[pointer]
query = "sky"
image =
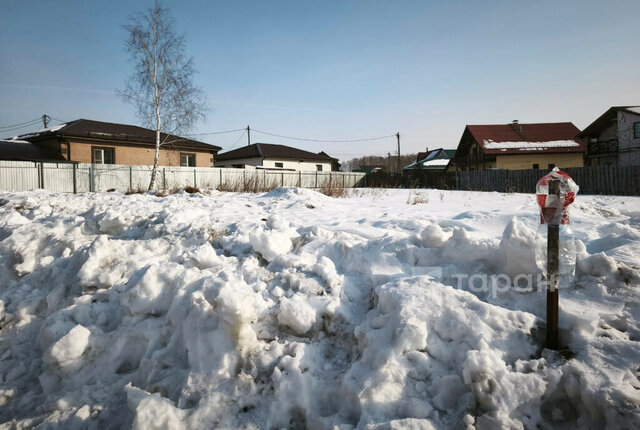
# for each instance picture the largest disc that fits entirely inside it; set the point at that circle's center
(334, 70)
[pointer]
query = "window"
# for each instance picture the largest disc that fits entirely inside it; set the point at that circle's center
(319, 167)
(636, 130)
(551, 166)
(187, 160)
(103, 155)
(536, 166)
(280, 165)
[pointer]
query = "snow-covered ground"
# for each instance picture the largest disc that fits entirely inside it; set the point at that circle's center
(291, 309)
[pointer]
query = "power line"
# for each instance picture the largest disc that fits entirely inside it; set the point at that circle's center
(324, 141)
(237, 141)
(21, 125)
(216, 132)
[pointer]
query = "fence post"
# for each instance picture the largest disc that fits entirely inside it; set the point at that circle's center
(42, 175)
(316, 179)
(164, 178)
(282, 179)
(220, 184)
(195, 183)
(92, 178)
(75, 181)
(131, 177)
(244, 180)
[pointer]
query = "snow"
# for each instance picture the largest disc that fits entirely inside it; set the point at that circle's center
(635, 109)
(291, 309)
(14, 141)
(38, 132)
(440, 162)
(530, 146)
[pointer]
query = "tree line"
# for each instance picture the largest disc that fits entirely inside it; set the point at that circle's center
(387, 164)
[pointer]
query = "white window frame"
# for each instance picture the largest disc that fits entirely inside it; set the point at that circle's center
(97, 155)
(187, 156)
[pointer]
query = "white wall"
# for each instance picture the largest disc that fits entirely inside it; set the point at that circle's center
(305, 166)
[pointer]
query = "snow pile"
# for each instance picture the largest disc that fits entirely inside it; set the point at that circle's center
(294, 310)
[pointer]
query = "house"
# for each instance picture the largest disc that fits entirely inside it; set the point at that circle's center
(434, 160)
(87, 141)
(277, 157)
(614, 138)
(518, 146)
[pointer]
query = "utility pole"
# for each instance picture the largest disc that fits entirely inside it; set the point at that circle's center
(45, 120)
(248, 136)
(398, 136)
(389, 161)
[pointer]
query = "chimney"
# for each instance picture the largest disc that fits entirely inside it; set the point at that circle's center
(516, 127)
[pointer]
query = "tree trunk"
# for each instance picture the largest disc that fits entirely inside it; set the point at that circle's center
(156, 102)
(156, 156)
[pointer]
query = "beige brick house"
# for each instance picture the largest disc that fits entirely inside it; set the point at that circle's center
(87, 141)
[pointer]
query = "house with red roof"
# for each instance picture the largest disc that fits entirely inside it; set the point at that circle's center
(516, 146)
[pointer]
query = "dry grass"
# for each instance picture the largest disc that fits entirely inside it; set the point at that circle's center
(333, 191)
(138, 190)
(192, 190)
(416, 198)
(249, 185)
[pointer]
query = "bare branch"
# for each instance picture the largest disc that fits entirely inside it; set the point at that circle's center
(161, 86)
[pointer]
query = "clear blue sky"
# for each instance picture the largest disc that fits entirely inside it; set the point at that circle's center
(336, 69)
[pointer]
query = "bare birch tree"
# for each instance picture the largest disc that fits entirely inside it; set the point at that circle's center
(161, 87)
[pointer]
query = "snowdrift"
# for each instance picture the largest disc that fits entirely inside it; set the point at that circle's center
(291, 309)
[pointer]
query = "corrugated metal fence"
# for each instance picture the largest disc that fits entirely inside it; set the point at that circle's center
(79, 178)
(621, 181)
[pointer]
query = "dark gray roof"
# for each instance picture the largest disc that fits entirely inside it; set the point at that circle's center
(269, 150)
(16, 150)
(85, 128)
(604, 120)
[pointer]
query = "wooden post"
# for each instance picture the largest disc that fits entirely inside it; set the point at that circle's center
(131, 177)
(316, 179)
(553, 263)
(299, 179)
(164, 178)
(398, 136)
(282, 179)
(195, 182)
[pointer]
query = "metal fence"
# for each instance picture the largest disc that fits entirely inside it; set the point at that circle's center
(79, 177)
(621, 181)
(612, 180)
